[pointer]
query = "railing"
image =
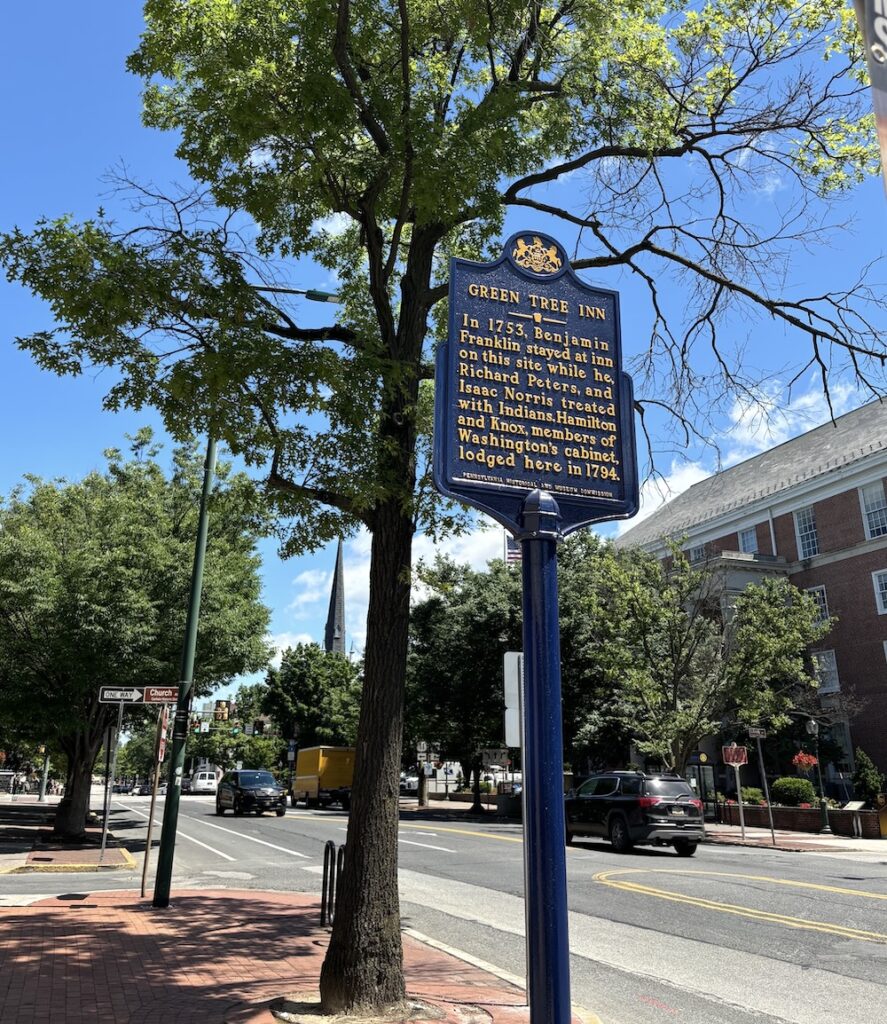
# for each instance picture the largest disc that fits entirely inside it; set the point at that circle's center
(333, 867)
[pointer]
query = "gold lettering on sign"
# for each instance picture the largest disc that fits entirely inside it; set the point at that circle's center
(536, 388)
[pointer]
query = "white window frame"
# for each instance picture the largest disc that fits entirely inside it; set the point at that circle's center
(874, 510)
(833, 683)
(880, 594)
(819, 596)
(696, 553)
(807, 510)
(743, 547)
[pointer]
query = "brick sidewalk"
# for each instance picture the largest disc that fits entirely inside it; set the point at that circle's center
(213, 956)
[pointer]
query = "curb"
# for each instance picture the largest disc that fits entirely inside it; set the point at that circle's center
(49, 869)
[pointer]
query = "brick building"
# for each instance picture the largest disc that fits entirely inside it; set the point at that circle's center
(812, 509)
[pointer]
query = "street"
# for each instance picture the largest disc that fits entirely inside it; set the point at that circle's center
(732, 936)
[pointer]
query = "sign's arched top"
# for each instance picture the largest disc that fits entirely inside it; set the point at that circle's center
(530, 393)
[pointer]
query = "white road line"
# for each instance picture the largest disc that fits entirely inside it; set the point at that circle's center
(432, 834)
(427, 846)
(252, 839)
(184, 835)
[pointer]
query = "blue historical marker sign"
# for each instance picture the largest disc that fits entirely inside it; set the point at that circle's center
(530, 392)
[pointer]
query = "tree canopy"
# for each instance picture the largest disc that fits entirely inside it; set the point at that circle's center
(415, 127)
(94, 578)
(314, 696)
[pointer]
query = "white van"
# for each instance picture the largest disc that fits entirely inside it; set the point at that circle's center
(204, 781)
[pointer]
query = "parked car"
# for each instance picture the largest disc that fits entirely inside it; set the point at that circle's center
(409, 783)
(635, 808)
(143, 789)
(186, 784)
(121, 787)
(250, 789)
(202, 782)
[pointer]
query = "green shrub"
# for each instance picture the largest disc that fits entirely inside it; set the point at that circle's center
(752, 795)
(868, 782)
(792, 791)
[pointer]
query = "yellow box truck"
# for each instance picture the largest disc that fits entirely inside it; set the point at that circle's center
(324, 776)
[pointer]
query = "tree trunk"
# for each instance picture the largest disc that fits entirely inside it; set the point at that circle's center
(73, 809)
(363, 968)
(70, 818)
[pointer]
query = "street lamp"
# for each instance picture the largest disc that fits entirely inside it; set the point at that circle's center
(812, 728)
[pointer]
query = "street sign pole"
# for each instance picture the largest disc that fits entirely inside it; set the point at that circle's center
(758, 735)
(548, 947)
(736, 768)
(159, 744)
(163, 880)
(109, 783)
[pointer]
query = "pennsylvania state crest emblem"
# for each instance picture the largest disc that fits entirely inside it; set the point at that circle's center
(536, 257)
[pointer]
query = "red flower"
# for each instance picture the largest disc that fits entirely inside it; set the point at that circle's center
(804, 761)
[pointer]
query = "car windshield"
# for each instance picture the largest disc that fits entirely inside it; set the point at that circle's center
(257, 779)
(668, 787)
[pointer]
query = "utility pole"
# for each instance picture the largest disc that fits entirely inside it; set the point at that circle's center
(163, 881)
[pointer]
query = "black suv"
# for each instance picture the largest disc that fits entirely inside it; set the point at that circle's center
(250, 789)
(633, 807)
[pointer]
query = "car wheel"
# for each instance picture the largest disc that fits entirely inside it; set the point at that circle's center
(684, 847)
(220, 810)
(569, 835)
(281, 811)
(238, 806)
(619, 836)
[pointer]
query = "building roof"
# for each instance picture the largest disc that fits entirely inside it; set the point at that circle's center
(821, 451)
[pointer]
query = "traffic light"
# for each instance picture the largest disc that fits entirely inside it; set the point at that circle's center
(258, 727)
(194, 724)
(221, 711)
(235, 729)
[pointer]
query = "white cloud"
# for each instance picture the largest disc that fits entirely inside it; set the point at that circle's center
(656, 491)
(314, 586)
(474, 549)
(281, 641)
(334, 224)
(762, 423)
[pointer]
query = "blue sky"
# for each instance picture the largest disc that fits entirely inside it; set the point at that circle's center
(70, 113)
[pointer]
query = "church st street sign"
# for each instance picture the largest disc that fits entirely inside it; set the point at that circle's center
(138, 694)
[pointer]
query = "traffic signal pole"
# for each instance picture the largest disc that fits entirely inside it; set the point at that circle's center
(163, 880)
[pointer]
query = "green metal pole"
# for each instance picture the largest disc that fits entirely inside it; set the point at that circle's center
(163, 879)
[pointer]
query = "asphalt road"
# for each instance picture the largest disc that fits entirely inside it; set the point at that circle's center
(733, 936)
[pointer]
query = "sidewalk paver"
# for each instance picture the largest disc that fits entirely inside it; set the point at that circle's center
(212, 956)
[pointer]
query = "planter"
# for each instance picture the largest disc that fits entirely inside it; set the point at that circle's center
(803, 819)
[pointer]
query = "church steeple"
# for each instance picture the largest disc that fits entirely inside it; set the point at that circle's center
(334, 635)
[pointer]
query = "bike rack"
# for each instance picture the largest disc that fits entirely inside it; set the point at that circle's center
(333, 866)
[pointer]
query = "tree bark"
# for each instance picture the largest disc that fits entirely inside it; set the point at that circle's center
(363, 968)
(70, 818)
(81, 751)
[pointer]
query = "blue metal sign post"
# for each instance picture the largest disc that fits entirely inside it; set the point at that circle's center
(534, 426)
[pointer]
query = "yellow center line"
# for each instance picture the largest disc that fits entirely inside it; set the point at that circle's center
(608, 878)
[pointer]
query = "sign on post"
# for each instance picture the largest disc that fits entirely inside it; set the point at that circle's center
(529, 390)
(514, 685)
(138, 695)
(534, 425)
(754, 733)
(734, 755)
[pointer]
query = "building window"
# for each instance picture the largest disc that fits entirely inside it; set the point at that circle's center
(880, 581)
(874, 509)
(805, 527)
(697, 554)
(826, 670)
(818, 595)
(748, 541)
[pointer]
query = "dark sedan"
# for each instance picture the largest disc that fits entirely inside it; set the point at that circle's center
(250, 789)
